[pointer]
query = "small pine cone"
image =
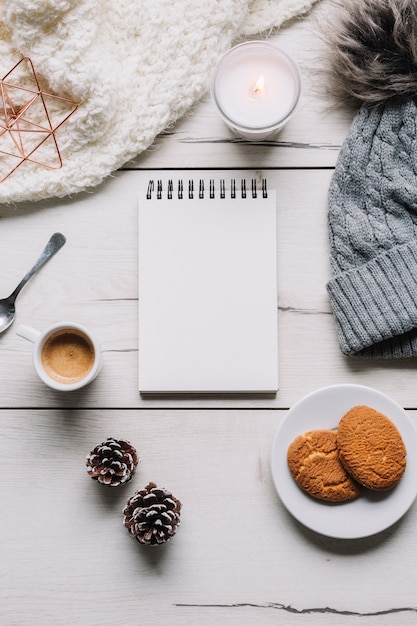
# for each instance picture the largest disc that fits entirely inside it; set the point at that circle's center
(112, 462)
(152, 515)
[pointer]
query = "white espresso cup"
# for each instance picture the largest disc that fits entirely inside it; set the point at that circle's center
(66, 356)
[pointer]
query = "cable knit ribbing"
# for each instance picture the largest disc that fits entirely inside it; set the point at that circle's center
(373, 228)
(135, 67)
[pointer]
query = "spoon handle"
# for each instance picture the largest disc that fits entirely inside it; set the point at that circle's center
(54, 244)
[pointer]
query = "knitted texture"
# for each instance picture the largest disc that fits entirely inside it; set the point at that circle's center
(264, 15)
(373, 228)
(134, 67)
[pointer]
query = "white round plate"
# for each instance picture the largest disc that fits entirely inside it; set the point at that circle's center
(373, 511)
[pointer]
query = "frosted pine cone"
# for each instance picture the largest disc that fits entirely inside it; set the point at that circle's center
(112, 462)
(152, 515)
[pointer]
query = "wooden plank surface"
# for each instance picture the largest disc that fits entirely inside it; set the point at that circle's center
(237, 558)
(93, 280)
(312, 138)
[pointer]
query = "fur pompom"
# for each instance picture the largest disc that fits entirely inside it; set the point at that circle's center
(372, 47)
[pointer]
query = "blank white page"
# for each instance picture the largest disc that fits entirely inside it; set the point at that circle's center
(207, 293)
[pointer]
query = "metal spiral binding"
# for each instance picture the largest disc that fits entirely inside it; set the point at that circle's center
(151, 187)
(254, 189)
(233, 188)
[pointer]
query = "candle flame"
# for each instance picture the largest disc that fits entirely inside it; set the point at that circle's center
(259, 85)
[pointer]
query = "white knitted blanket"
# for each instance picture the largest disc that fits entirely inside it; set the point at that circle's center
(135, 66)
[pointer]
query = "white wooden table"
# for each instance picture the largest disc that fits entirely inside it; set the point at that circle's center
(239, 557)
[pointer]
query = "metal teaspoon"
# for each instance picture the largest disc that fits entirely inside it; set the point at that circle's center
(7, 308)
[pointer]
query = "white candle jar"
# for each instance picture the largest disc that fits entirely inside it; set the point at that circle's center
(256, 88)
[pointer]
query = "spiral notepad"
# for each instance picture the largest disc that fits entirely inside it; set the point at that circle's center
(207, 285)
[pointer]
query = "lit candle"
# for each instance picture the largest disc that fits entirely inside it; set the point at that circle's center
(256, 88)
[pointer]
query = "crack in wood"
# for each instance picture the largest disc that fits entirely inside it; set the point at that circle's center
(290, 609)
(121, 350)
(292, 309)
(116, 300)
(263, 144)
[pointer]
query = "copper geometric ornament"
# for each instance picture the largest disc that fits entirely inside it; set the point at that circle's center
(29, 119)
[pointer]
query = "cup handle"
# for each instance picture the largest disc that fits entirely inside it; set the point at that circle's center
(28, 333)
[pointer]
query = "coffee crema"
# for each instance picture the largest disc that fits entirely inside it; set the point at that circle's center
(67, 356)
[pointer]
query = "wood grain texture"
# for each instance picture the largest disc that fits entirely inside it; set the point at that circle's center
(93, 280)
(238, 557)
(312, 138)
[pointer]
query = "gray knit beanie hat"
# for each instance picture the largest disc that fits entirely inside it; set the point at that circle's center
(373, 193)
